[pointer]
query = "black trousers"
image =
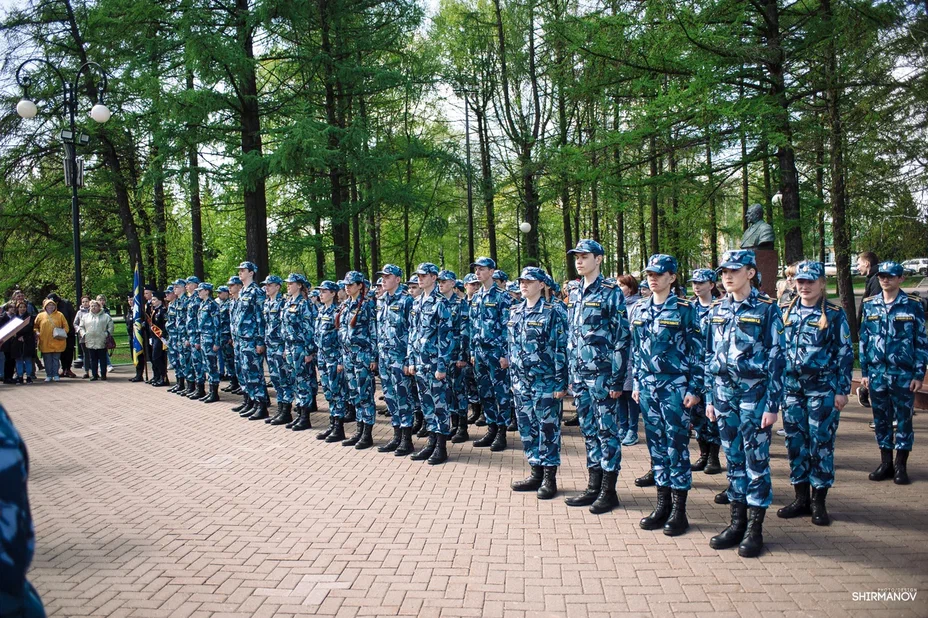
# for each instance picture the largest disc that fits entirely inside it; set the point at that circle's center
(159, 361)
(95, 361)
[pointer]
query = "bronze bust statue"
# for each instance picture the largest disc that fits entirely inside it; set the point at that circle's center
(759, 234)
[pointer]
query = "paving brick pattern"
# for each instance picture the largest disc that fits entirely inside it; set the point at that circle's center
(148, 505)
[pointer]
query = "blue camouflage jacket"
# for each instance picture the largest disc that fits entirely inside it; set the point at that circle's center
(393, 325)
(598, 336)
(326, 335)
(667, 340)
(273, 314)
(248, 321)
(459, 309)
(176, 309)
(192, 323)
(893, 339)
(489, 313)
(357, 331)
(17, 536)
(824, 354)
(225, 317)
(430, 334)
(299, 324)
(538, 345)
(744, 343)
(208, 324)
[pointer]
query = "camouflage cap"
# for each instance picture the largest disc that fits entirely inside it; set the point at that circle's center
(809, 270)
(588, 245)
(447, 275)
(737, 259)
(661, 263)
(485, 262)
(703, 275)
(893, 269)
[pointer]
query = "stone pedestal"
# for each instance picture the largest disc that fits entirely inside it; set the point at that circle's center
(767, 266)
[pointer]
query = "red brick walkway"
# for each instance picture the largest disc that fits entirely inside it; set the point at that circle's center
(150, 505)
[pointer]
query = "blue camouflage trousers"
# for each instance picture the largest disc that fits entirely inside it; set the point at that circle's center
(599, 423)
(176, 356)
(193, 362)
(333, 385)
(811, 421)
(892, 401)
(457, 390)
(359, 380)
(492, 386)
(210, 363)
(705, 429)
(239, 364)
(470, 385)
(539, 419)
(667, 429)
(278, 370)
(298, 372)
(252, 372)
(227, 356)
(396, 393)
(433, 397)
(739, 408)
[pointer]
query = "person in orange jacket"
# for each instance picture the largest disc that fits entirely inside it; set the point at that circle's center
(51, 346)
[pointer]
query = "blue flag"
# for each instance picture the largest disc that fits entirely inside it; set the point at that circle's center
(138, 346)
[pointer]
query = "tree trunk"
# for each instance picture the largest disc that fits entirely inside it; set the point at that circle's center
(621, 265)
(196, 216)
(820, 193)
(713, 218)
(160, 221)
(320, 252)
(655, 227)
(486, 179)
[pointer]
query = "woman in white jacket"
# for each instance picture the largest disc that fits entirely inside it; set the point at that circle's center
(94, 327)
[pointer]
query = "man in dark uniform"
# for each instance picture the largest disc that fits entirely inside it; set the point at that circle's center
(867, 266)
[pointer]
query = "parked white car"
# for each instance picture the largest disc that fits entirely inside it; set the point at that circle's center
(831, 269)
(918, 266)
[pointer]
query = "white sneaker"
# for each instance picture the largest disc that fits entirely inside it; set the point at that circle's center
(56, 379)
(781, 432)
(48, 379)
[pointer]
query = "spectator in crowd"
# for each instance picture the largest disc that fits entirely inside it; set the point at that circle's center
(629, 410)
(867, 266)
(83, 309)
(94, 327)
(51, 330)
(102, 300)
(788, 292)
(23, 346)
(6, 314)
(66, 308)
(18, 296)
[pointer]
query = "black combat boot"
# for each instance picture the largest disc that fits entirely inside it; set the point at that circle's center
(753, 542)
(302, 422)
(589, 496)
(488, 437)
(405, 447)
(734, 533)
(350, 416)
(573, 421)
(191, 389)
(499, 441)
(607, 499)
(229, 387)
(722, 497)
(820, 515)
(242, 405)
(901, 476)
(260, 411)
(677, 523)
(199, 393)
(322, 435)
(367, 439)
(249, 409)
(476, 410)
(426, 451)
(532, 482)
(294, 417)
(714, 466)
(700, 464)
(285, 415)
(513, 425)
(356, 436)
(461, 434)
(206, 389)
(423, 431)
(390, 446)
(440, 454)
(885, 469)
(280, 412)
(313, 406)
(238, 390)
(213, 395)
(661, 512)
(178, 385)
(481, 420)
(548, 487)
(799, 507)
(645, 481)
(418, 421)
(338, 431)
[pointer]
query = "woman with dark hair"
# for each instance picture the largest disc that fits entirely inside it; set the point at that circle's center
(355, 324)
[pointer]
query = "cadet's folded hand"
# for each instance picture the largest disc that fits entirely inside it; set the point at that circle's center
(915, 385)
(690, 400)
(769, 419)
(710, 412)
(840, 402)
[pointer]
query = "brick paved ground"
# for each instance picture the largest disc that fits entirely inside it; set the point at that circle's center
(149, 505)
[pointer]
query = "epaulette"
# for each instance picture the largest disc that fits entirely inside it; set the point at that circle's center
(684, 301)
(831, 305)
(609, 283)
(874, 297)
(716, 303)
(766, 299)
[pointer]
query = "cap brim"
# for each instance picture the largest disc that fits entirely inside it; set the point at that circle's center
(804, 277)
(655, 269)
(731, 266)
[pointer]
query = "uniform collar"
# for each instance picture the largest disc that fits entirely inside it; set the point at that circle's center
(901, 299)
(751, 300)
(597, 283)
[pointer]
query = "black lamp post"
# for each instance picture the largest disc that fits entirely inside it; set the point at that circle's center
(73, 168)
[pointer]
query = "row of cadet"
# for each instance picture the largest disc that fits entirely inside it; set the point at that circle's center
(725, 366)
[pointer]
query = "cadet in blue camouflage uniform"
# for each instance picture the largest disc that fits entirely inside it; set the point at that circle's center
(358, 337)
(393, 311)
(489, 314)
(707, 432)
(277, 365)
(226, 351)
(235, 289)
(329, 355)
(418, 421)
(208, 345)
(893, 355)
(744, 390)
(537, 336)
(177, 316)
(428, 359)
(819, 361)
(300, 352)
(249, 328)
(471, 285)
(18, 599)
(597, 351)
(667, 357)
(457, 395)
(196, 370)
